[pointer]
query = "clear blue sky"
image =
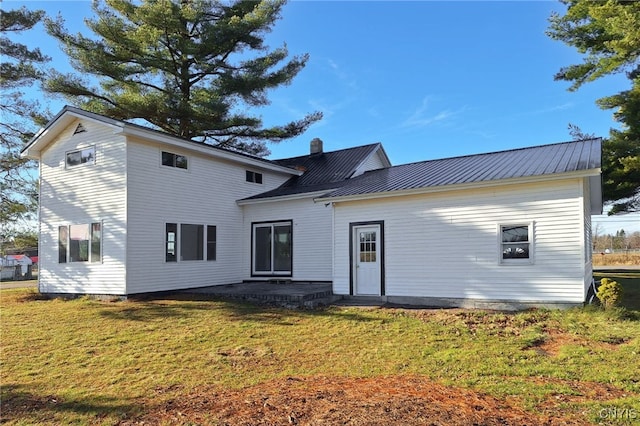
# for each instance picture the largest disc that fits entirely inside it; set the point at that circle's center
(427, 79)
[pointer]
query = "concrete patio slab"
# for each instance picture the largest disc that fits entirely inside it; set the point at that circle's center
(302, 294)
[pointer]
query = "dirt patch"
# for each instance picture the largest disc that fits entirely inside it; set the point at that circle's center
(580, 392)
(353, 401)
(554, 340)
(494, 323)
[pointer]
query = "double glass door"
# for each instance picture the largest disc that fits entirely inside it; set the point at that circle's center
(272, 246)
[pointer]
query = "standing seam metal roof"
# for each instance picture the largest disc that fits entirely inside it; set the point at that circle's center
(540, 160)
(322, 171)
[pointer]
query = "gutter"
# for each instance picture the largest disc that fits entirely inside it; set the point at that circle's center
(300, 196)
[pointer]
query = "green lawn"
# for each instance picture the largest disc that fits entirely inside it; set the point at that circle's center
(85, 361)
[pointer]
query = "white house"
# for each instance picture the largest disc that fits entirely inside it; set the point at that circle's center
(127, 210)
(9, 262)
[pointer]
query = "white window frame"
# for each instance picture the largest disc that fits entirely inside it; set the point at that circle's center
(530, 240)
(73, 166)
(90, 257)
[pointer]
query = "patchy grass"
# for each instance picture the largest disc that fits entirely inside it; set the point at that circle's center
(213, 362)
(616, 259)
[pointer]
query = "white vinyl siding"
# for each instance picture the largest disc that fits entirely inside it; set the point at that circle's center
(206, 194)
(88, 193)
(588, 241)
(311, 236)
(444, 244)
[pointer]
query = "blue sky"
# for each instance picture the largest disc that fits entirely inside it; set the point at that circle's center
(428, 79)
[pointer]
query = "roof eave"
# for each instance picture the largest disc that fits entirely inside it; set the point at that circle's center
(300, 196)
(136, 131)
(462, 186)
(68, 114)
(65, 117)
(595, 194)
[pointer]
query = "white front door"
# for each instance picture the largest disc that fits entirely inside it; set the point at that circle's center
(367, 260)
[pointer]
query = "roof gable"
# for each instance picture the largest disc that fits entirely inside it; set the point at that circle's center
(327, 167)
(68, 115)
(322, 171)
(538, 161)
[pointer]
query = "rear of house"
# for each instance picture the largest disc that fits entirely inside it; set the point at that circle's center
(185, 229)
(127, 210)
(473, 231)
(83, 187)
(290, 234)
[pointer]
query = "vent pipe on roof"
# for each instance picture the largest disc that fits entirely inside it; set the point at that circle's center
(316, 146)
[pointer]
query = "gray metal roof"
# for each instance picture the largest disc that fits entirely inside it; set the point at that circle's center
(322, 171)
(517, 163)
(150, 130)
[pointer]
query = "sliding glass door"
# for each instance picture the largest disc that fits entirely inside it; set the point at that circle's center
(272, 248)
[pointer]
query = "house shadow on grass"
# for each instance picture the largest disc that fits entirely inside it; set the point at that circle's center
(181, 305)
(23, 406)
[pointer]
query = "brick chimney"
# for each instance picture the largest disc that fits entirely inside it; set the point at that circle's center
(315, 146)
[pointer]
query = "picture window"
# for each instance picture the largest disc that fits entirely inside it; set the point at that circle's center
(80, 243)
(192, 244)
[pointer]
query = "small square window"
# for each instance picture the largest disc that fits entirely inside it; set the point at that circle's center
(254, 177)
(516, 243)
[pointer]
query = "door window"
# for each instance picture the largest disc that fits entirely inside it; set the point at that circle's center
(367, 246)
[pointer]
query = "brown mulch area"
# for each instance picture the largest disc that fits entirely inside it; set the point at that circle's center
(358, 401)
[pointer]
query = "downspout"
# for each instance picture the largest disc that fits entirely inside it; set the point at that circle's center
(333, 245)
(39, 222)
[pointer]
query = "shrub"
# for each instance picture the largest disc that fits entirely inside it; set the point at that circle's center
(609, 293)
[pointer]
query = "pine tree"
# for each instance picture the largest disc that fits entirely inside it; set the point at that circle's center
(18, 117)
(184, 66)
(608, 34)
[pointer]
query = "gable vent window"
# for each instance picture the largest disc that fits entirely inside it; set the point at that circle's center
(79, 129)
(254, 177)
(81, 156)
(174, 160)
